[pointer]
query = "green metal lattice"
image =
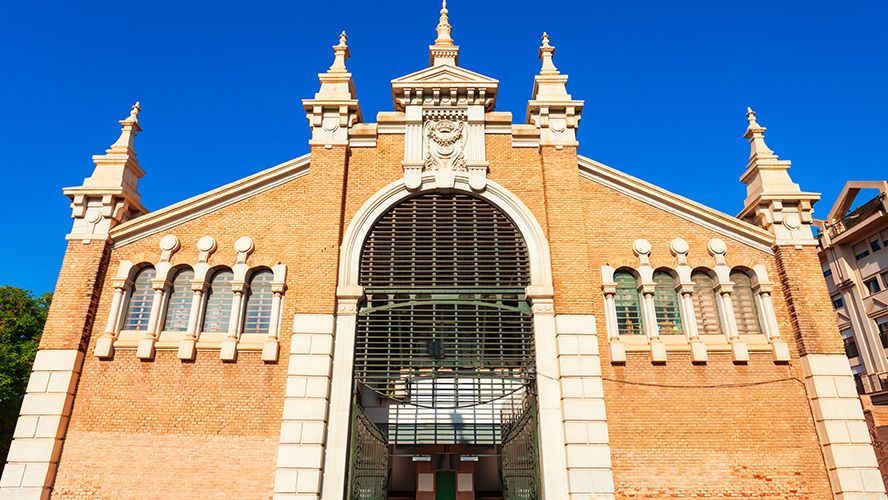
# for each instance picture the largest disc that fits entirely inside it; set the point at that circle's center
(368, 458)
(520, 453)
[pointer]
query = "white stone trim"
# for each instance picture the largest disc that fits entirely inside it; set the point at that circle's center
(587, 443)
(200, 205)
(679, 206)
(841, 428)
(39, 432)
(553, 469)
(301, 456)
(497, 195)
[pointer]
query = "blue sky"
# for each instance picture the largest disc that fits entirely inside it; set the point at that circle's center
(666, 86)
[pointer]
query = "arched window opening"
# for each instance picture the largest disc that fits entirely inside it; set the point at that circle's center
(179, 302)
(745, 308)
(217, 313)
(626, 300)
(705, 304)
(666, 304)
(138, 310)
(257, 315)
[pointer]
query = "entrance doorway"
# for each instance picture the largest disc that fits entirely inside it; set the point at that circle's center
(444, 369)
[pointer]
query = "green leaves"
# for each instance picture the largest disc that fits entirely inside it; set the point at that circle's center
(22, 316)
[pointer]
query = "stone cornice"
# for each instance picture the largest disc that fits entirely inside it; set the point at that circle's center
(680, 206)
(211, 201)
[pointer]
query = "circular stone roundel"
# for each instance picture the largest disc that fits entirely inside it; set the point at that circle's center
(169, 243)
(717, 246)
(679, 246)
(641, 247)
(206, 244)
(243, 244)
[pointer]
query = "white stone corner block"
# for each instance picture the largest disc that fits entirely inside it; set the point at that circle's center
(145, 349)
(58, 359)
(698, 352)
(658, 352)
(577, 324)
(270, 351)
(38, 382)
(780, 351)
(739, 352)
(314, 323)
(229, 350)
(617, 352)
(104, 347)
(187, 349)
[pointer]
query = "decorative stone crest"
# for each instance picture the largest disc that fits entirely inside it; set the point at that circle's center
(445, 145)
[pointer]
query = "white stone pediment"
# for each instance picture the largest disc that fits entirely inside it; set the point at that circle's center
(445, 73)
(444, 85)
(674, 204)
(169, 217)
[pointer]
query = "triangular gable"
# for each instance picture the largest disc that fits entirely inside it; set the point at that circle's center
(721, 223)
(197, 206)
(444, 73)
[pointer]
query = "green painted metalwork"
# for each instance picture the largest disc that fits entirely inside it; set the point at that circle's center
(520, 453)
(368, 458)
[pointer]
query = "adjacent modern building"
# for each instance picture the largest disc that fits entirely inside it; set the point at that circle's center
(442, 304)
(854, 258)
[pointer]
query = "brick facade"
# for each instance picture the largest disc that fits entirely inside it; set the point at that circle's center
(254, 427)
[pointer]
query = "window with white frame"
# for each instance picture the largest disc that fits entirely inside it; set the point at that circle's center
(705, 304)
(860, 250)
(217, 312)
(882, 324)
(666, 304)
(627, 304)
(872, 285)
(745, 309)
(850, 345)
(138, 309)
(257, 315)
(179, 302)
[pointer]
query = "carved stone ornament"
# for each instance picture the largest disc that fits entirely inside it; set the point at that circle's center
(445, 145)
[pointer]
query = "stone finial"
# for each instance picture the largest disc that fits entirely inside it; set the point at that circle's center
(341, 54)
(756, 135)
(444, 51)
(129, 128)
(110, 195)
(773, 200)
(444, 29)
(545, 54)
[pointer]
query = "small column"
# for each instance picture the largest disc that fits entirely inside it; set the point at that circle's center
(105, 344)
(229, 345)
(271, 348)
(187, 347)
(336, 450)
(146, 344)
(609, 288)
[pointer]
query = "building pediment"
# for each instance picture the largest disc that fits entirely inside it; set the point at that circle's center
(677, 205)
(444, 84)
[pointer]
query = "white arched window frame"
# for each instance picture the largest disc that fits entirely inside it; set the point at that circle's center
(667, 305)
(706, 305)
(140, 303)
(628, 305)
(179, 301)
(746, 307)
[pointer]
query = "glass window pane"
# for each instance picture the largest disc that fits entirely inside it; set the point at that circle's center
(138, 311)
(626, 300)
(179, 303)
(219, 299)
(666, 304)
(705, 306)
(745, 310)
(257, 316)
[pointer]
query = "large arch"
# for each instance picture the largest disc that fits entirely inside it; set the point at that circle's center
(540, 291)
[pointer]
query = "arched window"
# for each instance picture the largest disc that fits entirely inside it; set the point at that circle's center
(219, 299)
(257, 316)
(138, 310)
(626, 300)
(745, 310)
(179, 302)
(705, 305)
(666, 304)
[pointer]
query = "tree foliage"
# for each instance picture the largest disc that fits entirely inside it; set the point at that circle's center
(22, 316)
